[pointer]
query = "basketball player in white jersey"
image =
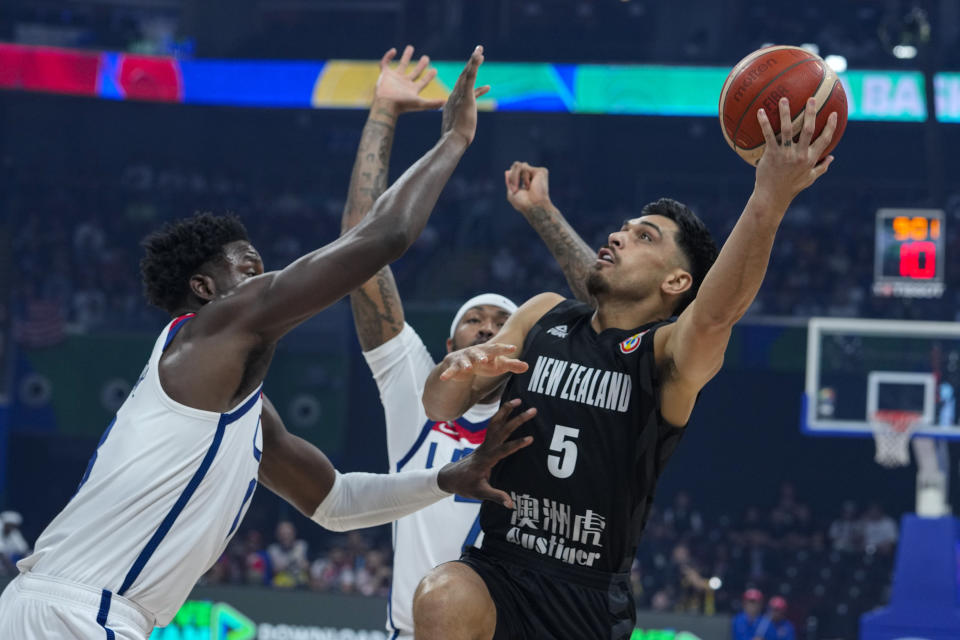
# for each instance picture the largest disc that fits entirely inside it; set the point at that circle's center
(400, 362)
(174, 472)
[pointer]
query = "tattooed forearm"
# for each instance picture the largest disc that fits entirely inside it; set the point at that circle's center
(377, 312)
(574, 256)
(369, 177)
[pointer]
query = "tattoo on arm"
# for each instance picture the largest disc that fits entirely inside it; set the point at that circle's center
(369, 177)
(574, 256)
(377, 311)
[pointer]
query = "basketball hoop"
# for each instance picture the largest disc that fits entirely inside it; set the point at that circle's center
(892, 430)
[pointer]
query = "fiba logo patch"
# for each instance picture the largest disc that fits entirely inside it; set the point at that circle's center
(630, 344)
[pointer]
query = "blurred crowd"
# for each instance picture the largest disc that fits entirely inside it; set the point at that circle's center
(820, 572)
(699, 31)
(353, 563)
(75, 247)
(784, 565)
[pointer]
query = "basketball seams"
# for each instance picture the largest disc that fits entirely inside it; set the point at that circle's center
(797, 119)
(826, 89)
(747, 109)
(734, 73)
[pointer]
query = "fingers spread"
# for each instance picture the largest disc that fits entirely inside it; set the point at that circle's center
(509, 448)
(786, 127)
(459, 365)
(498, 435)
(809, 124)
(495, 495)
(421, 65)
(769, 137)
(426, 79)
(823, 140)
(405, 58)
(513, 365)
(387, 57)
(498, 348)
(822, 167)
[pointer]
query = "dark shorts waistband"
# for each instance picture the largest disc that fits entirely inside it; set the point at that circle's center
(506, 552)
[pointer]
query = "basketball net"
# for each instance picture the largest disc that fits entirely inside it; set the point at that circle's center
(892, 431)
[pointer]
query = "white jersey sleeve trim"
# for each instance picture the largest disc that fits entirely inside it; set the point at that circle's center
(400, 367)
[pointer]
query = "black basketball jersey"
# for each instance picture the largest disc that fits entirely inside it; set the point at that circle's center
(582, 490)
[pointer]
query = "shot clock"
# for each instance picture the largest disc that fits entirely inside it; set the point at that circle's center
(909, 254)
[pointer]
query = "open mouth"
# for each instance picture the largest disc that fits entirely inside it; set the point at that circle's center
(605, 255)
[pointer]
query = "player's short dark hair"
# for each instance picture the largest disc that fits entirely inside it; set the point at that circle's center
(694, 240)
(177, 251)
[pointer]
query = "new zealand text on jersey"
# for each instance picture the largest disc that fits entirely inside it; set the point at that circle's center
(577, 383)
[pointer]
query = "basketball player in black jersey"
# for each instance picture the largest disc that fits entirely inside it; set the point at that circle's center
(613, 387)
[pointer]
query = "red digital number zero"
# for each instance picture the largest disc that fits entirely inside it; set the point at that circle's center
(910, 260)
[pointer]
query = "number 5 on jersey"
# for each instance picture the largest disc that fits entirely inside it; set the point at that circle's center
(563, 459)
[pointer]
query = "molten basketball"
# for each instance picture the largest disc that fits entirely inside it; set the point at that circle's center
(761, 79)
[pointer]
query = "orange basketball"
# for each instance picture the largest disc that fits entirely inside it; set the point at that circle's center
(765, 76)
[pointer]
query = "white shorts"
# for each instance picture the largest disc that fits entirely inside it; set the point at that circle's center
(36, 607)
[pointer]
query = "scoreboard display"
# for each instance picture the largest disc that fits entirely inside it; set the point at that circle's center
(909, 254)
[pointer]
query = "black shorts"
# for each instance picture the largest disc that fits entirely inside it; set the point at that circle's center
(552, 603)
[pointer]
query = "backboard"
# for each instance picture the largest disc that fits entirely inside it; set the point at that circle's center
(857, 367)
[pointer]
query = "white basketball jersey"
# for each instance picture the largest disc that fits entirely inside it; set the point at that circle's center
(438, 533)
(161, 496)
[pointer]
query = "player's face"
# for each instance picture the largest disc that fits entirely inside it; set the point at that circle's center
(639, 259)
(242, 262)
(477, 325)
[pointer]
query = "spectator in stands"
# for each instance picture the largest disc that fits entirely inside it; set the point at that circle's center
(745, 623)
(693, 591)
(774, 625)
(257, 565)
(685, 521)
(846, 532)
(879, 531)
(373, 578)
(333, 573)
(288, 556)
(13, 546)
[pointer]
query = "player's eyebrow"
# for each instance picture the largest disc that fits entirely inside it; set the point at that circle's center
(647, 222)
(627, 224)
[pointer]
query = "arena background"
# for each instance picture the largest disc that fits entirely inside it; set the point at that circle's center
(88, 167)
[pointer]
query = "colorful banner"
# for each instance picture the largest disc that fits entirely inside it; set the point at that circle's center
(517, 86)
(947, 91)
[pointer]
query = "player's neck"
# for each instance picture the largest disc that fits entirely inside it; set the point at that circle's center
(622, 314)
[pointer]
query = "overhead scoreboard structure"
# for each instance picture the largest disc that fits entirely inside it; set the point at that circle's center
(910, 252)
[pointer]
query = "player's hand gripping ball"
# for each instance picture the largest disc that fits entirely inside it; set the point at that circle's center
(764, 77)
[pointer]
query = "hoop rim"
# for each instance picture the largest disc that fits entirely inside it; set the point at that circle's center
(899, 420)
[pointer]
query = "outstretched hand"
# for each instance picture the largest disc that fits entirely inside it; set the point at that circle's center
(787, 168)
(460, 111)
(527, 186)
(399, 88)
(470, 476)
(487, 360)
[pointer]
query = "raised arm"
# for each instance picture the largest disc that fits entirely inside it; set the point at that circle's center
(270, 305)
(302, 475)
(464, 377)
(692, 348)
(377, 310)
(528, 190)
